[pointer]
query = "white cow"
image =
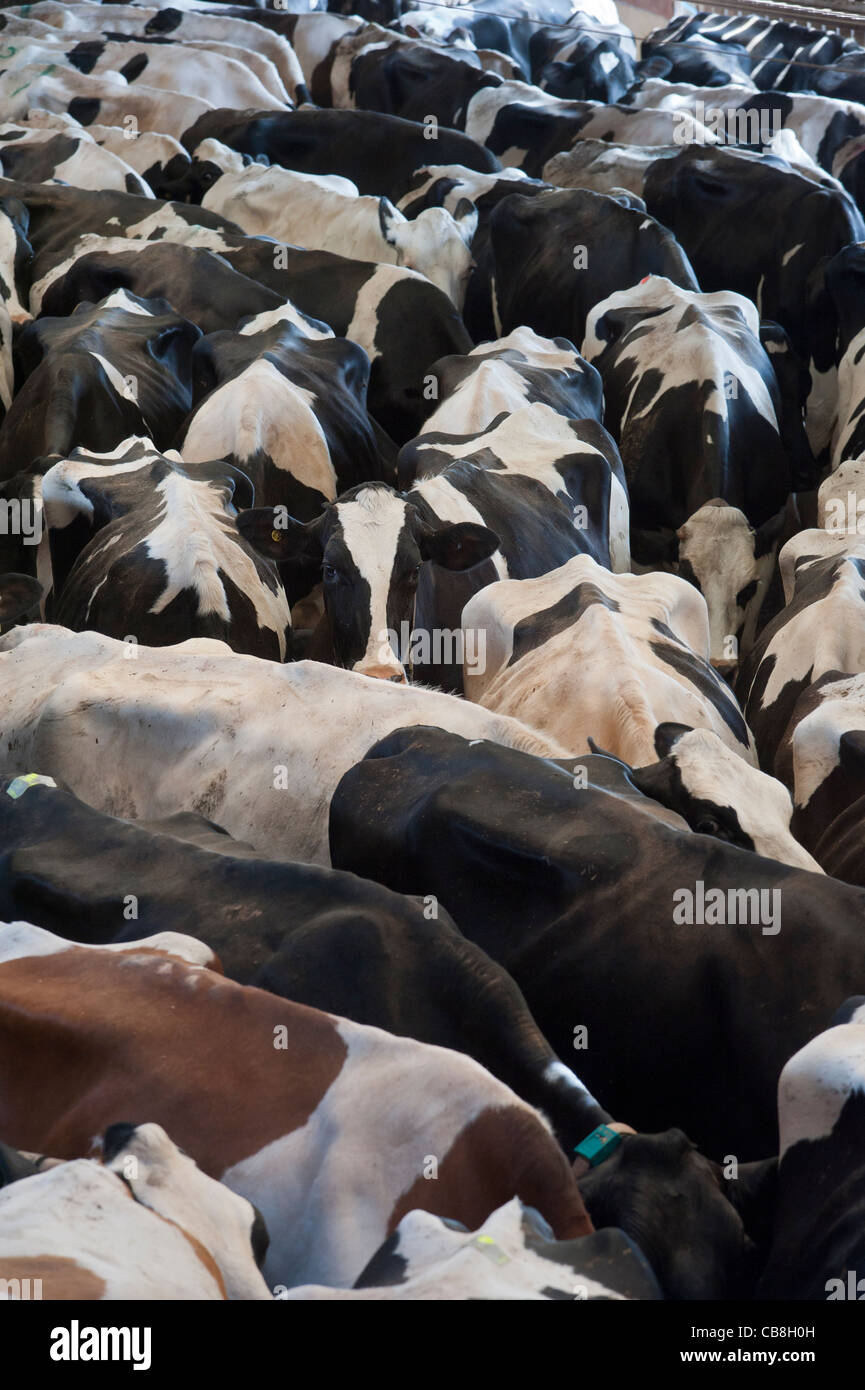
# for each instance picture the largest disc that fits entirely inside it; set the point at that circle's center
(582, 653)
(143, 731)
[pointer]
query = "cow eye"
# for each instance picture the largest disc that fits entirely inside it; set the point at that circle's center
(329, 574)
(707, 825)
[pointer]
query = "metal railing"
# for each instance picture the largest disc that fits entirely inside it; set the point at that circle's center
(840, 16)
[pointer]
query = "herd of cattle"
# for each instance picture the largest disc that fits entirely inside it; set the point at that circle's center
(432, 689)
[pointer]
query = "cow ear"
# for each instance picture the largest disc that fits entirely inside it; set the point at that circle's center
(18, 593)
(753, 1193)
(768, 533)
(667, 736)
(278, 536)
(457, 547)
(657, 781)
(388, 220)
(465, 215)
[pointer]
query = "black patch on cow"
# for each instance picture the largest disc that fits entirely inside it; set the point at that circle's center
(538, 628)
(744, 596)
(85, 55)
(702, 677)
(135, 67)
(164, 22)
(663, 782)
(386, 1267)
(84, 110)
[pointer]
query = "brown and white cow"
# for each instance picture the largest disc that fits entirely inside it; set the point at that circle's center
(333, 1130)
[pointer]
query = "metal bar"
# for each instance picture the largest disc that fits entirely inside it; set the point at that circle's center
(841, 15)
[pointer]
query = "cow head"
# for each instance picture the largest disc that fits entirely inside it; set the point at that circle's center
(366, 548)
(185, 180)
(731, 563)
(435, 243)
(162, 1177)
(719, 794)
(672, 1202)
(19, 598)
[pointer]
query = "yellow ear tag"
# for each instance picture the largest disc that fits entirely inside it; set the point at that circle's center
(19, 786)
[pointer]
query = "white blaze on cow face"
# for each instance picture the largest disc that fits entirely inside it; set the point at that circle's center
(372, 524)
(711, 773)
(718, 551)
(817, 1082)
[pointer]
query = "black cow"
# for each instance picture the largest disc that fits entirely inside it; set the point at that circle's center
(574, 889)
(109, 370)
(557, 255)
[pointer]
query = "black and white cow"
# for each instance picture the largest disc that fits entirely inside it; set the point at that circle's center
(328, 214)
(581, 654)
(692, 397)
(523, 496)
(734, 565)
(512, 1256)
(168, 23)
(208, 74)
(77, 393)
(366, 549)
(821, 759)
(145, 547)
(499, 378)
(401, 321)
(134, 353)
(15, 256)
(819, 630)
(289, 411)
(347, 143)
(844, 282)
(70, 155)
(107, 99)
(448, 185)
(817, 1249)
(726, 208)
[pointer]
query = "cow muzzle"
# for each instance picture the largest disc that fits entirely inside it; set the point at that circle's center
(395, 674)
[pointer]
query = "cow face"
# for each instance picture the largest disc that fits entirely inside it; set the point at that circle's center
(731, 563)
(671, 1201)
(435, 243)
(185, 180)
(162, 1177)
(367, 549)
(719, 794)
